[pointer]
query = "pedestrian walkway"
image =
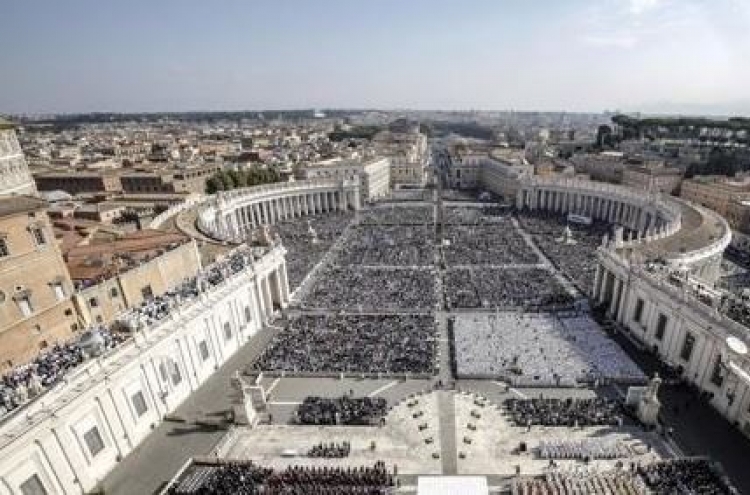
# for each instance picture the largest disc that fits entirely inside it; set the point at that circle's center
(447, 412)
(171, 444)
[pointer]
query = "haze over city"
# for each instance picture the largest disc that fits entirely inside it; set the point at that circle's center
(410, 247)
(674, 56)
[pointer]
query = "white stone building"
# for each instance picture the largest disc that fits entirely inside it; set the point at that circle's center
(67, 440)
(14, 172)
(374, 174)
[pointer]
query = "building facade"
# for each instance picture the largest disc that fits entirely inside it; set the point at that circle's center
(70, 440)
(104, 301)
(36, 310)
(715, 192)
(14, 172)
(374, 174)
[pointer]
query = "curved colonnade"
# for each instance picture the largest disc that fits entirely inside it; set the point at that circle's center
(668, 317)
(648, 215)
(230, 216)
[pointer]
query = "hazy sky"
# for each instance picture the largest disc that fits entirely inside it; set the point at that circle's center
(588, 55)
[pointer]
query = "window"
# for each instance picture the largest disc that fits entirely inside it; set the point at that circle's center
(33, 486)
(638, 310)
(24, 304)
(176, 375)
(661, 327)
(248, 314)
(68, 312)
(38, 234)
(717, 377)
(203, 348)
(687, 347)
(147, 292)
(93, 303)
(94, 441)
(4, 251)
(227, 331)
(163, 372)
(139, 403)
(57, 288)
(113, 292)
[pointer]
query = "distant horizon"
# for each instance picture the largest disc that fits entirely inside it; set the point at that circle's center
(375, 109)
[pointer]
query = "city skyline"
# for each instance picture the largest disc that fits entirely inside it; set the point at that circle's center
(653, 56)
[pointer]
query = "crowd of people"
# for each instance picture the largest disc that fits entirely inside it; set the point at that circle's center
(615, 482)
(539, 349)
(155, 309)
(496, 244)
(689, 476)
(307, 240)
(28, 381)
(345, 410)
(588, 449)
(576, 259)
(398, 215)
(331, 450)
(353, 344)
(567, 412)
(373, 289)
(394, 245)
(453, 215)
(247, 478)
(669, 477)
(490, 287)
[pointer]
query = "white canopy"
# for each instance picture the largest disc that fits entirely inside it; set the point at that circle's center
(452, 485)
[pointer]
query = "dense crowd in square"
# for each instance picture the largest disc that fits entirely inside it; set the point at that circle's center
(398, 215)
(465, 215)
(491, 287)
(373, 289)
(395, 245)
(353, 344)
(307, 240)
(496, 244)
(539, 349)
(577, 259)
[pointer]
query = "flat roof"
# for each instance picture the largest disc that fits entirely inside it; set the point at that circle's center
(12, 205)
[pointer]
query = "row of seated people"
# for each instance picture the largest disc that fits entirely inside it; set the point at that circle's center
(332, 450)
(341, 411)
(565, 412)
(669, 477)
(248, 478)
(584, 449)
(690, 476)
